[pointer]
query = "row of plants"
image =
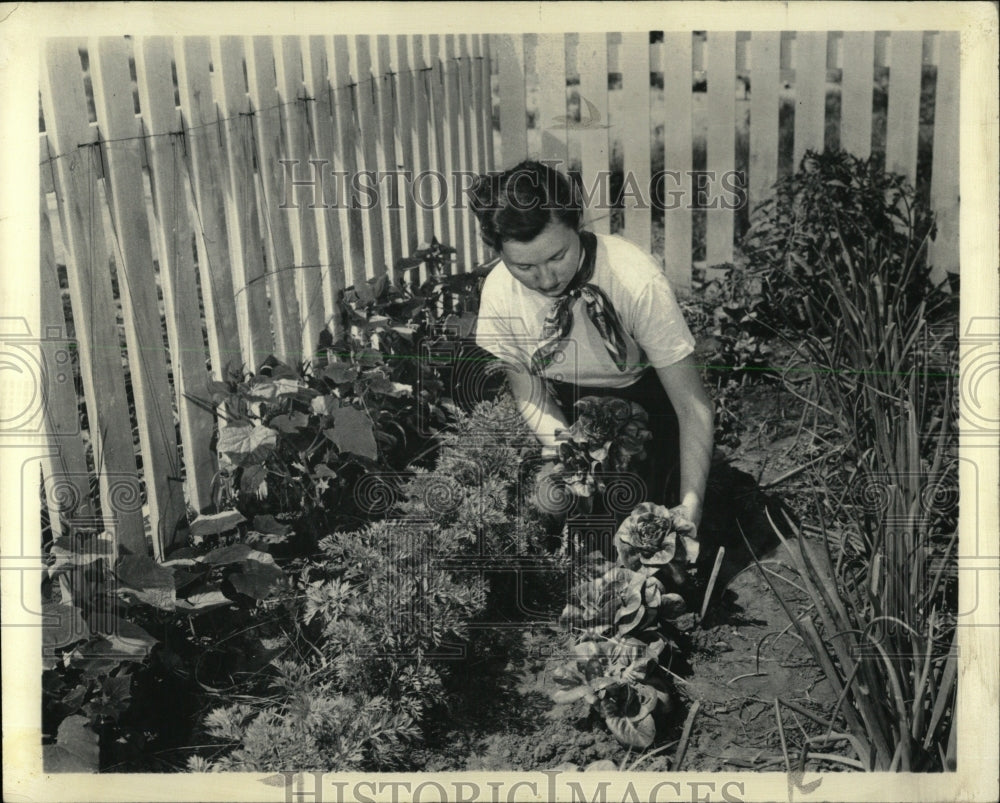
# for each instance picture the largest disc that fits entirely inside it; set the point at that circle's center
(842, 250)
(607, 437)
(619, 621)
(304, 451)
(298, 438)
(382, 610)
(749, 317)
(309, 621)
(623, 625)
(834, 276)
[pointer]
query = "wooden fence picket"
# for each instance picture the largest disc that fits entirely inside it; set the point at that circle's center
(241, 204)
(944, 250)
(345, 157)
(46, 179)
(481, 99)
(364, 96)
(592, 65)
(678, 161)
(77, 168)
(550, 65)
(421, 142)
(64, 465)
(177, 267)
(856, 93)
(487, 78)
(463, 67)
(453, 111)
(204, 173)
(482, 124)
(810, 93)
(308, 134)
(903, 116)
(133, 257)
(390, 185)
(636, 137)
(247, 265)
(513, 100)
(720, 148)
(765, 62)
(408, 132)
(316, 135)
(441, 157)
(269, 139)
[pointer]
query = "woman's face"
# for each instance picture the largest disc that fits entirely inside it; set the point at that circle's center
(548, 263)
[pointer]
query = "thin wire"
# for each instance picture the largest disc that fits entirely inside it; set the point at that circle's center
(276, 271)
(332, 100)
(245, 214)
(330, 91)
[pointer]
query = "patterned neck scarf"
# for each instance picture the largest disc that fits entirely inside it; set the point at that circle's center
(559, 320)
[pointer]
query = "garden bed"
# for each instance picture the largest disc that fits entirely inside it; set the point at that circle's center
(735, 666)
(379, 587)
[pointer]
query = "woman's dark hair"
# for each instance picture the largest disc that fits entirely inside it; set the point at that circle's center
(518, 203)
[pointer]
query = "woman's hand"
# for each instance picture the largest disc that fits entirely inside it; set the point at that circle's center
(684, 521)
(537, 408)
(550, 453)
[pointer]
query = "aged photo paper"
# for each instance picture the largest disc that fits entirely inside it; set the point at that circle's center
(24, 31)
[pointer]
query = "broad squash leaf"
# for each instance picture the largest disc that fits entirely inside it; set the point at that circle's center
(253, 478)
(271, 389)
(147, 581)
(238, 443)
(216, 523)
(353, 432)
(76, 748)
(205, 600)
(339, 372)
(233, 553)
(257, 580)
(126, 640)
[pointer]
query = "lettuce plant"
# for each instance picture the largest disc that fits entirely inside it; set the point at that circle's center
(652, 535)
(622, 601)
(607, 436)
(621, 678)
(621, 614)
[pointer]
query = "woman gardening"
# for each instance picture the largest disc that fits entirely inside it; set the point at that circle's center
(573, 314)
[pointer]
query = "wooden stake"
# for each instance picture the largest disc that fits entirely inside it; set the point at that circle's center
(711, 581)
(685, 735)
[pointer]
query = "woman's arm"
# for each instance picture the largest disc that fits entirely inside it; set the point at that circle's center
(696, 416)
(536, 406)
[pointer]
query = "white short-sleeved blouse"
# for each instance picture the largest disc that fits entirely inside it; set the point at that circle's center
(511, 318)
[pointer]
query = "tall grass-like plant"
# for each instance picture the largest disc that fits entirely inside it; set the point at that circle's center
(882, 587)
